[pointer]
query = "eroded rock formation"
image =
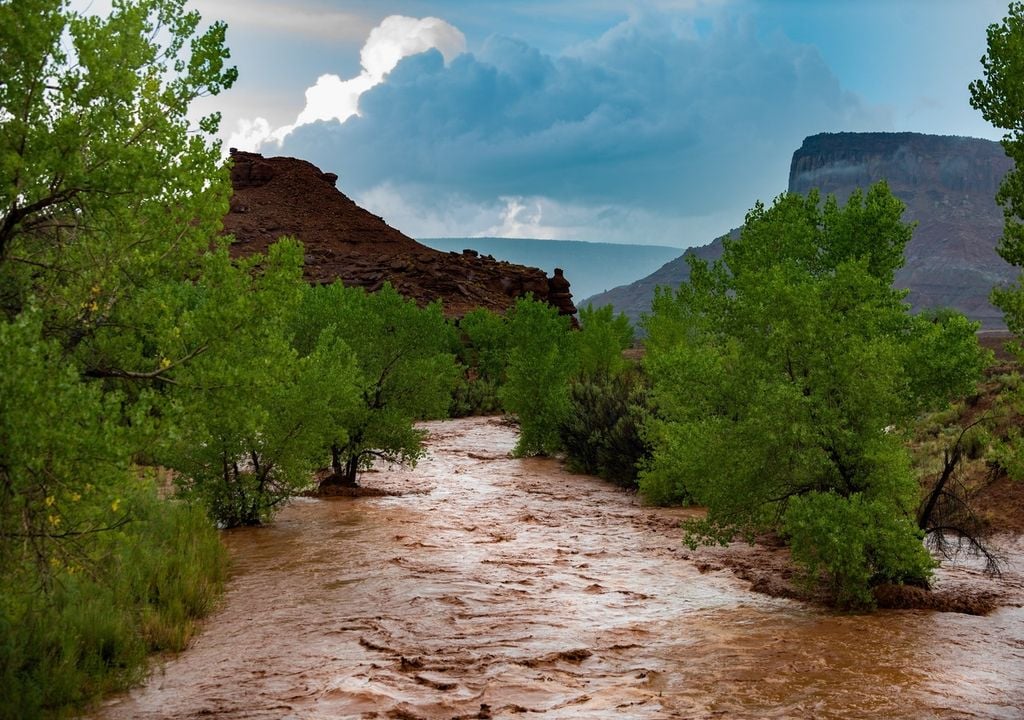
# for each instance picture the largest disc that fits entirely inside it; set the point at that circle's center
(278, 196)
(948, 184)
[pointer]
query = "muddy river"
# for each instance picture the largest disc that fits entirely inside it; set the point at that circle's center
(496, 587)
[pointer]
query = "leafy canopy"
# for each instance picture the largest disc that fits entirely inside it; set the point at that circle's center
(405, 371)
(1000, 99)
(540, 363)
(778, 370)
(109, 203)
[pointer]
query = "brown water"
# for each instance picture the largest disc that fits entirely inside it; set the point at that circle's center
(511, 586)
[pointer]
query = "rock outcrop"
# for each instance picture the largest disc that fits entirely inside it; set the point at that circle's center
(948, 185)
(278, 196)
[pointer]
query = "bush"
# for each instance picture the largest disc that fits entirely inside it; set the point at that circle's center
(857, 543)
(540, 365)
(602, 434)
(474, 395)
(1008, 454)
(81, 624)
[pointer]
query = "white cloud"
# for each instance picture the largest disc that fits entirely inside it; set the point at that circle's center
(649, 133)
(333, 98)
(426, 213)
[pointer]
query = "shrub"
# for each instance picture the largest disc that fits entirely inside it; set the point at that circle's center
(857, 543)
(602, 433)
(540, 365)
(81, 624)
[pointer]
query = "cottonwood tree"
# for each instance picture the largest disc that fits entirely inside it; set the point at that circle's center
(109, 198)
(783, 375)
(540, 362)
(999, 98)
(255, 416)
(406, 372)
(999, 95)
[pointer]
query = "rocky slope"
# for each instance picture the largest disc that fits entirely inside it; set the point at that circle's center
(593, 266)
(275, 197)
(949, 186)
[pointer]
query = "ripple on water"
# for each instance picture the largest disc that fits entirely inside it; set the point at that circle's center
(507, 586)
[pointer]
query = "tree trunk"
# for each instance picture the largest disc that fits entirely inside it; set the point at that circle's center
(343, 471)
(336, 459)
(950, 460)
(351, 470)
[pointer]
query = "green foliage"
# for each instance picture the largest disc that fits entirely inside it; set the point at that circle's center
(1009, 454)
(405, 371)
(80, 624)
(254, 415)
(777, 370)
(603, 431)
(483, 353)
(1001, 102)
(998, 96)
(540, 363)
(486, 344)
(857, 542)
(109, 201)
(94, 568)
(105, 188)
(599, 344)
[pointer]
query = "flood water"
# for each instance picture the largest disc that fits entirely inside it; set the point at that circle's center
(498, 587)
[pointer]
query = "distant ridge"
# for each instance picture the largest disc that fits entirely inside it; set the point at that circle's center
(948, 184)
(591, 267)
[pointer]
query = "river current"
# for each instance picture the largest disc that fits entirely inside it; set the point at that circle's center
(500, 587)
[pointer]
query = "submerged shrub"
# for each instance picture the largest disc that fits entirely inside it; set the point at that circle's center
(857, 543)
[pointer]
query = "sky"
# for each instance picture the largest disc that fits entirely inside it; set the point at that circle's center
(656, 121)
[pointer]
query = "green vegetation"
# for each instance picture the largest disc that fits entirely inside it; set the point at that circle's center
(483, 353)
(782, 375)
(540, 363)
(405, 372)
(602, 432)
(778, 387)
(1000, 101)
(570, 391)
(998, 96)
(108, 204)
(254, 415)
(132, 342)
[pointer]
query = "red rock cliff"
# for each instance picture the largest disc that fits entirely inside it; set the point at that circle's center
(278, 196)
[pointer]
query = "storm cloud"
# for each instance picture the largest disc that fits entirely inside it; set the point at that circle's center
(657, 116)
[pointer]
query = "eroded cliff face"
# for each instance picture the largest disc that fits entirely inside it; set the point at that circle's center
(278, 196)
(949, 186)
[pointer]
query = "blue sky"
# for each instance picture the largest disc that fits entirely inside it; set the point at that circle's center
(657, 122)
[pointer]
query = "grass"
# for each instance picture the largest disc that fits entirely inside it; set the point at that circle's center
(81, 624)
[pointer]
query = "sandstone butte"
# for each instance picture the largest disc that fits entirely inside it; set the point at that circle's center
(276, 197)
(948, 185)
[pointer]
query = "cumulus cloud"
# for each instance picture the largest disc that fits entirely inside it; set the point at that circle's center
(332, 98)
(652, 116)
